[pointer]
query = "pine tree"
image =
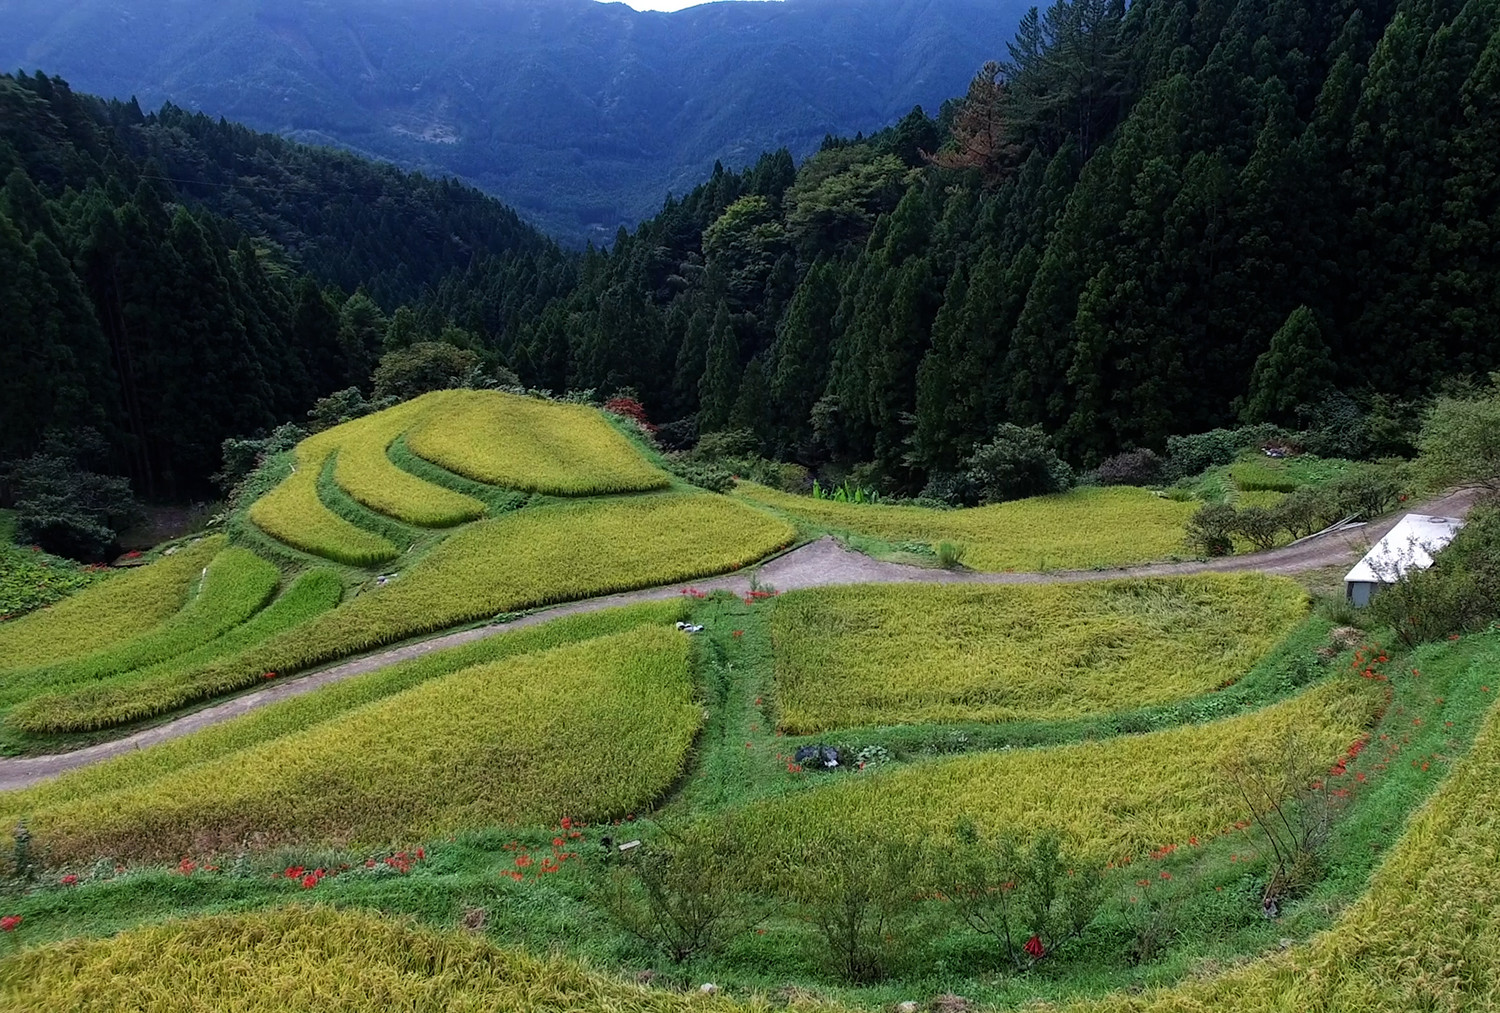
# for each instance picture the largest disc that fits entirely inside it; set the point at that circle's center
(1295, 371)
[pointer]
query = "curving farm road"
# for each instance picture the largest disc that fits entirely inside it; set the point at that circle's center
(821, 563)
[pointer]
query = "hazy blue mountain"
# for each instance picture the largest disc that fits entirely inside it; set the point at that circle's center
(580, 114)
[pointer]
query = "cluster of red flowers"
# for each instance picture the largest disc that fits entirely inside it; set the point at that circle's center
(693, 592)
(10, 923)
(757, 596)
(308, 878)
(69, 880)
(401, 861)
(792, 766)
(549, 863)
(269, 675)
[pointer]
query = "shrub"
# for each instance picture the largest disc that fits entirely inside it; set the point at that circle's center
(1189, 455)
(1301, 512)
(425, 366)
(1017, 463)
(1030, 900)
(702, 474)
(1210, 531)
(1133, 467)
(67, 509)
(1370, 490)
(1460, 438)
(952, 488)
(682, 891)
(1258, 525)
(860, 894)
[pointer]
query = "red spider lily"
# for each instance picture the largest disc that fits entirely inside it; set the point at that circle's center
(557, 842)
(738, 633)
(793, 768)
(295, 871)
(1165, 874)
(69, 880)
(186, 866)
(524, 862)
(9, 923)
(549, 864)
(269, 675)
(309, 881)
(1035, 948)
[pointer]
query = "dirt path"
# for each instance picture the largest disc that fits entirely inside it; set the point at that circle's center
(822, 563)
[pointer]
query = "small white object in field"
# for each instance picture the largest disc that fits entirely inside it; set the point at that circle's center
(708, 988)
(909, 1006)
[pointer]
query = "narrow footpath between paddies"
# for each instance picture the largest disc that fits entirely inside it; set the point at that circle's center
(822, 563)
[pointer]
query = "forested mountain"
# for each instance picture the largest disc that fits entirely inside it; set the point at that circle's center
(169, 280)
(1144, 222)
(581, 114)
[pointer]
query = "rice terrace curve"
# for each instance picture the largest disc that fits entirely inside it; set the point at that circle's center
(443, 658)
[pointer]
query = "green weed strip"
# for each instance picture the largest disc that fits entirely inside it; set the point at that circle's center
(859, 656)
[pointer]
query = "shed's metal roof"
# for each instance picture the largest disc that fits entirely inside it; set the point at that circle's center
(1410, 544)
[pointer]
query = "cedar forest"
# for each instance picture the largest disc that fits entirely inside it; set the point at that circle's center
(1144, 221)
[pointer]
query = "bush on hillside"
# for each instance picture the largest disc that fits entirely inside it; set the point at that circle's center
(1210, 531)
(1190, 455)
(1016, 463)
(66, 508)
(1133, 467)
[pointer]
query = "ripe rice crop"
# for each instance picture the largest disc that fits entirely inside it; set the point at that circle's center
(533, 445)
(123, 607)
(293, 513)
(1084, 528)
(311, 594)
(1424, 935)
(1115, 797)
(590, 731)
(880, 655)
(364, 471)
(308, 958)
(300, 713)
(235, 585)
(521, 560)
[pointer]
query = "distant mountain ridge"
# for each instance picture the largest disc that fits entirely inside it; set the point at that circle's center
(581, 115)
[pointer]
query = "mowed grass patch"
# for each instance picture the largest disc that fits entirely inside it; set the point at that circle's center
(883, 655)
(1425, 935)
(298, 714)
(1119, 797)
(116, 610)
(311, 594)
(525, 559)
(233, 587)
(1084, 528)
(363, 469)
(293, 513)
(591, 731)
(307, 958)
(532, 445)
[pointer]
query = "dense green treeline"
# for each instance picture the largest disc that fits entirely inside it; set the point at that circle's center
(169, 281)
(1145, 222)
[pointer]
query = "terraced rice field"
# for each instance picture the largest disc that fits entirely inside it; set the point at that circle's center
(364, 471)
(232, 588)
(1113, 798)
(117, 610)
(1076, 530)
(882, 655)
(537, 446)
(293, 513)
(589, 731)
(357, 960)
(533, 557)
(73, 710)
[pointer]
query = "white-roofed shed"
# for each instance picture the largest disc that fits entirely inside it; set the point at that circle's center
(1411, 544)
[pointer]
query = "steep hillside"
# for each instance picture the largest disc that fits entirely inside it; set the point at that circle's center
(583, 115)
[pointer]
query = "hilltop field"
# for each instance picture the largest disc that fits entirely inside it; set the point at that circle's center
(474, 703)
